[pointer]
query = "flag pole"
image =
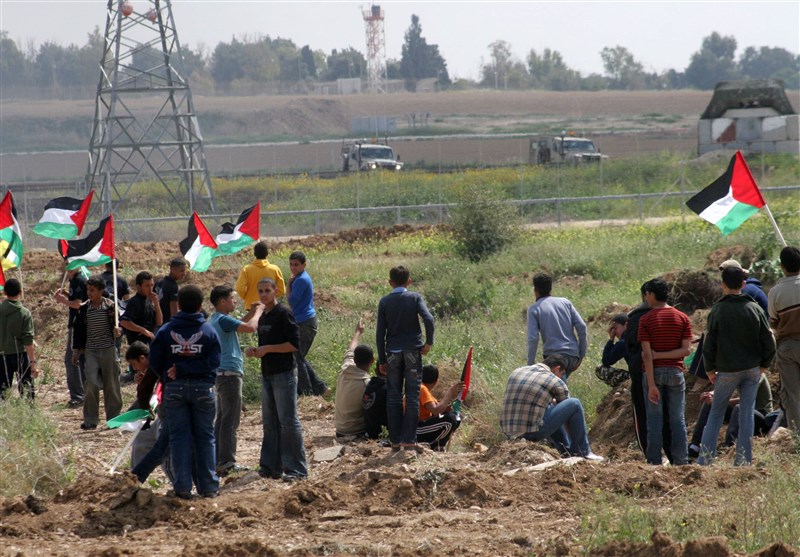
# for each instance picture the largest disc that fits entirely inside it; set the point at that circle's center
(775, 226)
(116, 299)
(64, 280)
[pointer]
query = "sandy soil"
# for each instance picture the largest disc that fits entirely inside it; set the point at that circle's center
(483, 501)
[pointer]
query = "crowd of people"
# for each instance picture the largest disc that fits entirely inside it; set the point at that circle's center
(190, 367)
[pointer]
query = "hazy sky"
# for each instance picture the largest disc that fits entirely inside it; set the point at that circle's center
(661, 35)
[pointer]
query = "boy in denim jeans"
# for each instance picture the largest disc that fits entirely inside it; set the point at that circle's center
(400, 351)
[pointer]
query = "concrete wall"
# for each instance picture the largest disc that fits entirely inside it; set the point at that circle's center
(756, 130)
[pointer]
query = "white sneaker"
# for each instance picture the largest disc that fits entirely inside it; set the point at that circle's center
(594, 457)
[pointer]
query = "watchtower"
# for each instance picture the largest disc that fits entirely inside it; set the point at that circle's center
(145, 125)
(376, 48)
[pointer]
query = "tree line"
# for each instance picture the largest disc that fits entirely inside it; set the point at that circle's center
(262, 64)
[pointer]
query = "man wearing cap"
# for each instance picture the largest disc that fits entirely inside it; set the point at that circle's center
(752, 286)
(784, 318)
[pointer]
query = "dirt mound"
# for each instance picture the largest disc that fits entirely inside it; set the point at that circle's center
(613, 423)
(745, 255)
(691, 290)
(246, 548)
(605, 315)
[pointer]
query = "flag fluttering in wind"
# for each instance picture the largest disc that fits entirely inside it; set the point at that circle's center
(96, 249)
(731, 199)
(199, 246)
(235, 237)
(10, 234)
(64, 217)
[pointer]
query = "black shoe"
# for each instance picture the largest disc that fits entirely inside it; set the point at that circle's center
(232, 469)
(291, 478)
(185, 495)
(88, 426)
(211, 495)
(269, 475)
(75, 403)
(126, 378)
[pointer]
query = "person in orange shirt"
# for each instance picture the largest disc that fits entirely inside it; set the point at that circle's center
(437, 421)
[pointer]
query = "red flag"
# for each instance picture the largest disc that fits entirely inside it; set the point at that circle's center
(2, 278)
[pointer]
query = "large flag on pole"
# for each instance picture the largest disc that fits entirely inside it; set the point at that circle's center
(731, 199)
(199, 246)
(10, 234)
(235, 237)
(96, 249)
(64, 217)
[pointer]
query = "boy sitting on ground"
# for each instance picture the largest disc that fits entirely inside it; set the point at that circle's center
(437, 421)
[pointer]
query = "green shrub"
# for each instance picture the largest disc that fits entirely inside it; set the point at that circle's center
(482, 223)
(30, 461)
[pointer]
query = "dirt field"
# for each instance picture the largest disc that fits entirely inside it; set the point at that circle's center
(487, 501)
(624, 123)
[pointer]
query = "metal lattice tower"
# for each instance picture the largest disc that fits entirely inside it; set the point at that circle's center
(145, 126)
(376, 48)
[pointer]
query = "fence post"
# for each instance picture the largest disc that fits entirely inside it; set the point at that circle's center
(397, 219)
(641, 208)
(683, 198)
(317, 222)
(558, 211)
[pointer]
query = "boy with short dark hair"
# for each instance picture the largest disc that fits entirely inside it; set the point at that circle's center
(142, 314)
(400, 351)
(167, 288)
(350, 385)
(230, 374)
(186, 354)
(250, 275)
(437, 421)
(16, 342)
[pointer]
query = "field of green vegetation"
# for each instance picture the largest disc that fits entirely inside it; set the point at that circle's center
(333, 204)
(482, 304)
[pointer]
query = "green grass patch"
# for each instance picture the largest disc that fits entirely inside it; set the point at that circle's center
(30, 460)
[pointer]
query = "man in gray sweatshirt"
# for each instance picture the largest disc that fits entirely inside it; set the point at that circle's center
(562, 330)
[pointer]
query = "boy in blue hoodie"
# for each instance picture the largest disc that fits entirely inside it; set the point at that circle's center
(186, 354)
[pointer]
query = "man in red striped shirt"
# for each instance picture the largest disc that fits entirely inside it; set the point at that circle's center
(666, 336)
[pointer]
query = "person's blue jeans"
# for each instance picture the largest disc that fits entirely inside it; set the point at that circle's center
(189, 408)
(308, 382)
(282, 449)
(158, 454)
(672, 388)
(404, 372)
(727, 382)
(76, 376)
(564, 424)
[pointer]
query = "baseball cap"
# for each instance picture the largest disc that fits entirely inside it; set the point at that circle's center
(732, 263)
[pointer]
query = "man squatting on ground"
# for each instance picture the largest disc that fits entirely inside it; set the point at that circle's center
(437, 421)
(562, 329)
(784, 318)
(17, 356)
(186, 354)
(230, 374)
(738, 348)
(537, 406)
(400, 350)
(348, 417)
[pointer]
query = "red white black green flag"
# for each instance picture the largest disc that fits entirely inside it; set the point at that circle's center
(235, 237)
(731, 199)
(96, 249)
(64, 217)
(199, 246)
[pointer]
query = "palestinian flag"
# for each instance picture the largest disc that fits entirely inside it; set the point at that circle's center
(10, 234)
(96, 249)
(64, 217)
(247, 230)
(198, 247)
(731, 199)
(466, 374)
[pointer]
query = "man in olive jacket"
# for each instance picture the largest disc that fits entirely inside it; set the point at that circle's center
(738, 348)
(16, 342)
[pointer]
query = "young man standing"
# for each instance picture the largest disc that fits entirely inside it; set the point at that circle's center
(562, 330)
(17, 356)
(230, 374)
(73, 298)
(95, 337)
(784, 318)
(282, 452)
(167, 288)
(537, 406)
(186, 354)
(666, 337)
(142, 315)
(300, 295)
(250, 275)
(400, 351)
(738, 349)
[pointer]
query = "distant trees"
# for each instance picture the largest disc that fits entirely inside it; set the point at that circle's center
(263, 64)
(713, 62)
(420, 59)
